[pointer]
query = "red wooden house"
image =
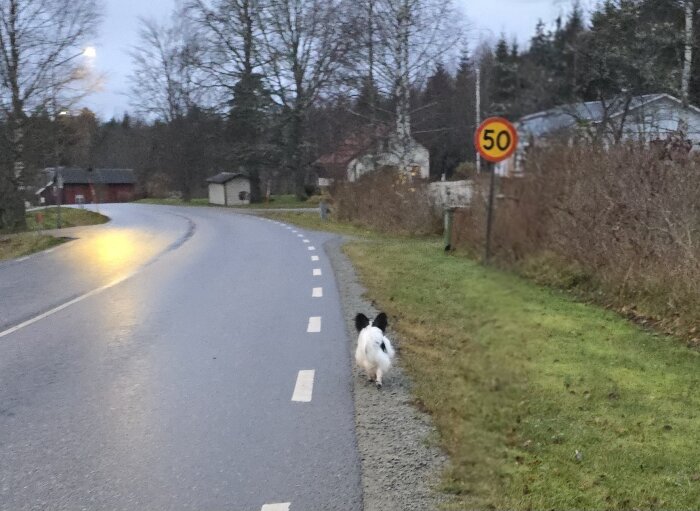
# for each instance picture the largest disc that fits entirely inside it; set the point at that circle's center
(88, 186)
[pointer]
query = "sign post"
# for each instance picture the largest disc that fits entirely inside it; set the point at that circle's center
(495, 140)
(59, 200)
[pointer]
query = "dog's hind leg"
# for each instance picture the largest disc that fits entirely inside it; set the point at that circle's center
(371, 376)
(379, 378)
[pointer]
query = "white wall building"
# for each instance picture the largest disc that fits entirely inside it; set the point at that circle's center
(648, 118)
(411, 157)
(229, 189)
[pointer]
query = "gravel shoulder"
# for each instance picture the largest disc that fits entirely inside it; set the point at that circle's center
(400, 465)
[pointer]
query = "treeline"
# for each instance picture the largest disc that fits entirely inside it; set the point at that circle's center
(277, 123)
(269, 86)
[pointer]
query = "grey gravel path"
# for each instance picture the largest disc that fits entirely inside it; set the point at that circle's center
(400, 467)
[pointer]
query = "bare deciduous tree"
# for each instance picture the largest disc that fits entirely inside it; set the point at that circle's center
(305, 43)
(164, 82)
(402, 42)
(38, 39)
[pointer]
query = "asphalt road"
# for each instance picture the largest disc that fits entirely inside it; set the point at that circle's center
(164, 361)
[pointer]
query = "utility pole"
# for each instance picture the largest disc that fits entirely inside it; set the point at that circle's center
(478, 114)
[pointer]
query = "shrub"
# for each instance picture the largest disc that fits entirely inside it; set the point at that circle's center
(387, 200)
(626, 217)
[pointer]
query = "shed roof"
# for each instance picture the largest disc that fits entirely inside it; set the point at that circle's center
(224, 177)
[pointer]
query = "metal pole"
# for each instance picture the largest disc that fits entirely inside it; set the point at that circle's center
(59, 199)
(478, 114)
(489, 215)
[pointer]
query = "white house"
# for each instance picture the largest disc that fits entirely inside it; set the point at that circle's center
(645, 118)
(410, 156)
(229, 189)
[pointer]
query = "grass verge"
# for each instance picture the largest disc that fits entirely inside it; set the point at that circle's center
(278, 202)
(520, 378)
(70, 217)
(174, 202)
(13, 246)
(314, 222)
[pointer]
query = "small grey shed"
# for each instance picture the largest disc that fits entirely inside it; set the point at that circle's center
(229, 189)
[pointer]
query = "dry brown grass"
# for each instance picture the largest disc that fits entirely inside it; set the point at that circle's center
(388, 201)
(622, 224)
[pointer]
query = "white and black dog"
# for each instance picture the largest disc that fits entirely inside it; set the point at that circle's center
(374, 351)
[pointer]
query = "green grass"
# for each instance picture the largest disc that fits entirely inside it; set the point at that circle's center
(175, 202)
(518, 377)
(282, 202)
(313, 221)
(278, 202)
(13, 246)
(70, 217)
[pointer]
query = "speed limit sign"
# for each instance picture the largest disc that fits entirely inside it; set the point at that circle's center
(496, 139)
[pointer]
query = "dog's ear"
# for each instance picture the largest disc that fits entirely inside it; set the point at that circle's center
(381, 322)
(361, 322)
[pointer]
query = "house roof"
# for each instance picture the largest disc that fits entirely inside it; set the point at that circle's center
(568, 116)
(96, 176)
(353, 146)
(224, 177)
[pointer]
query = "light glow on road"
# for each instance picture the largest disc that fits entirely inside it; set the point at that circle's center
(112, 250)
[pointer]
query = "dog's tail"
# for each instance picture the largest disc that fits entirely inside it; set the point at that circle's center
(383, 357)
(387, 347)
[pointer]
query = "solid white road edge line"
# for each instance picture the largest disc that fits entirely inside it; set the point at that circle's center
(314, 325)
(317, 292)
(317, 272)
(66, 305)
(304, 389)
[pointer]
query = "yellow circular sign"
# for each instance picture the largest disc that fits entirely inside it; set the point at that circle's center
(496, 139)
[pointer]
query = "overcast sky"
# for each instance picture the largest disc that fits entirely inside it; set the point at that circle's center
(488, 19)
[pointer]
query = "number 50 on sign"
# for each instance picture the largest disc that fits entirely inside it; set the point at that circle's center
(496, 139)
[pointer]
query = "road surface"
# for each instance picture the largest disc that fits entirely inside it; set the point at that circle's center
(176, 358)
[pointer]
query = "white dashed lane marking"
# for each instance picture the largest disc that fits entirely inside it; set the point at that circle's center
(304, 388)
(314, 325)
(276, 507)
(317, 292)
(307, 241)
(300, 235)
(312, 248)
(317, 272)
(314, 258)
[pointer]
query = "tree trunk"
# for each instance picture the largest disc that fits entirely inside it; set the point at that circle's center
(12, 211)
(403, 100)
(296, 138)
(687, 61)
